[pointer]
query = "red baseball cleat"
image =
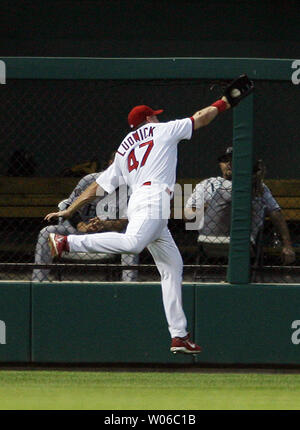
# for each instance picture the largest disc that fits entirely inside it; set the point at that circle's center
(184, 345)
(58, 244)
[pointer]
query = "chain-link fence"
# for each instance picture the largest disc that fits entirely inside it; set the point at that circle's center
(58, 135)
(276, 142)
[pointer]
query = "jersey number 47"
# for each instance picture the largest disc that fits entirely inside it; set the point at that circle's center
(132, 162)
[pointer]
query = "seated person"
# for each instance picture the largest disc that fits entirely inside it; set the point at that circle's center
(76, 225)
(215, 194)
(107, 213)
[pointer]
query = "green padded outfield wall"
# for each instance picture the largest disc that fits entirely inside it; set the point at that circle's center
(15, 322)
(77, 323)
(125, 323)
(248, 324)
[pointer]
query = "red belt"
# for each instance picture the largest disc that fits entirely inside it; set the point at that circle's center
(147, 183)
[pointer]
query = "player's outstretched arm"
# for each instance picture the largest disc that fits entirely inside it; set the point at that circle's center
(88, 195)
(235, 91)
(204, 116)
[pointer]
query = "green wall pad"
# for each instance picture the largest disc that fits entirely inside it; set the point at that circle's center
(15, 336)
(102, 323)
(248, 324)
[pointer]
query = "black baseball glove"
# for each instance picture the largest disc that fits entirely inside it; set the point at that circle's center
(238, 89)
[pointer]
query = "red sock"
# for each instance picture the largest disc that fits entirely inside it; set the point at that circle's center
(67, 248)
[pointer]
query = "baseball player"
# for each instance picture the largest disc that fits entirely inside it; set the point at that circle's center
(146, 161)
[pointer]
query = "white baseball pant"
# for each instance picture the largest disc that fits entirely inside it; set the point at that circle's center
(146, 230)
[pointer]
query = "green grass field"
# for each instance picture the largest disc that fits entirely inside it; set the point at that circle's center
(137, 390)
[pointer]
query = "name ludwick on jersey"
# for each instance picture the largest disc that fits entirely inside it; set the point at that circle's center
(134, 137)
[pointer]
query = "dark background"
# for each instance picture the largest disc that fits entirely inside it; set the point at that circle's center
(63, 123)
(146, 28)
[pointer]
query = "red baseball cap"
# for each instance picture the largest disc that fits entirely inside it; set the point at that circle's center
(138, 114)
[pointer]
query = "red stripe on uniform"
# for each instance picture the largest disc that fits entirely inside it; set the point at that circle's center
(193, 123)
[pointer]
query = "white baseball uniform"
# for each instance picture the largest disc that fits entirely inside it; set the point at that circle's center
(146, 161)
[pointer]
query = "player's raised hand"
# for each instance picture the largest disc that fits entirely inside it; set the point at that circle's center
(238, 89)
(226, 101)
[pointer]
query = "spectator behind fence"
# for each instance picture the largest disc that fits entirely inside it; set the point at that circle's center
(78, 224)
(215, 194)
(108, 213)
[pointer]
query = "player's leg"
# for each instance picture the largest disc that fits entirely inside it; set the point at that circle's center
(139, 233)
(144, 226)
(169, 263)
(42, 251)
